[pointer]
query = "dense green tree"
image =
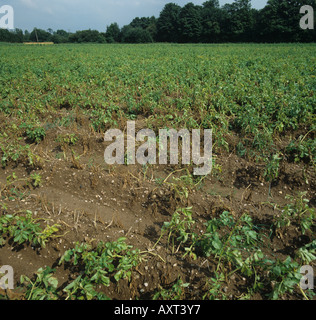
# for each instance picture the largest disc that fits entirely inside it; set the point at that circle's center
(146, 23)
(279, 21)
(168, 23)
(14, 36)
(62, 33)
(135, 35)
(112, 33)
(18, 35)
(39, 35)
(238, 21)
(60, 36)
(87, 36)
(26, 35)
(152, 29)
(143, 22)
(5, 35)
(211, 21)
(190, 23)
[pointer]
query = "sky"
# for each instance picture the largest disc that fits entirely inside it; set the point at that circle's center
(73, 15)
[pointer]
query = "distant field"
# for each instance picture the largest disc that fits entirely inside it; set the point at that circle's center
(39, 43)
(241, 232)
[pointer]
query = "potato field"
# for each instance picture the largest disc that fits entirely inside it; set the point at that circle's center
(74, 227)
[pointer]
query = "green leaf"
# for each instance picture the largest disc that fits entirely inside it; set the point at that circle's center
(53, 282)
(277, 270)
(118, 275)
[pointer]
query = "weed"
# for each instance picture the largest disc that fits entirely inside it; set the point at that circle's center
(307, 253)
(67, 139)
(271, 172)
(75, 161)
(33, 132)
(302, 150)
(36, 180)
(43, 287)
(82, 289)
(99, 264)
(174, 293)
(26, 229)
(100, 119)
(284, 277)
(298, 212)
(179, 229)
(214, 288)
(15, 152)
(14, 185)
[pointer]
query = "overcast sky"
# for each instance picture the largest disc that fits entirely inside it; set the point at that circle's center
(72, 15)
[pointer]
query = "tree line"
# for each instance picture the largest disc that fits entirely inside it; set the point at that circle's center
(278, 21)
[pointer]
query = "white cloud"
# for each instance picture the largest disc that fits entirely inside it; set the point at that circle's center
(29, 3)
